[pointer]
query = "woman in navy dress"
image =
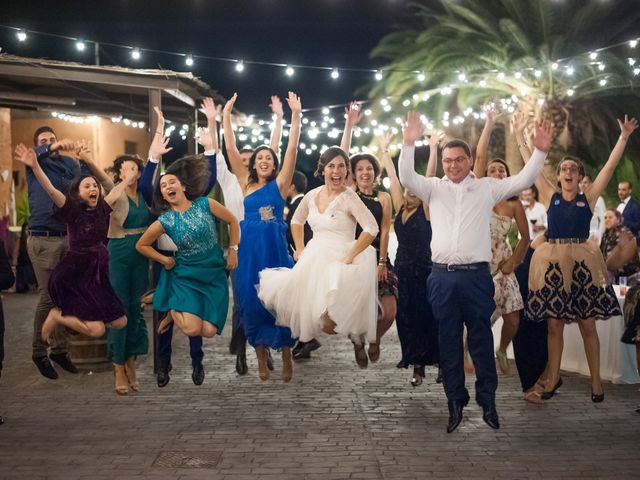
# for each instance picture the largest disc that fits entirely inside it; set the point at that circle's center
(568, 279)
(264, 242)
(417, 329)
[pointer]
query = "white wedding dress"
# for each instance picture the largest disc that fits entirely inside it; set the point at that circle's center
(320, 281)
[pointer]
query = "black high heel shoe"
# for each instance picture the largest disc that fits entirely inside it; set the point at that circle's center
(597, 398)
(418, 375)
(548, 395)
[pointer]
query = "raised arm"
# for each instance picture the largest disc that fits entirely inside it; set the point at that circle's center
(276, 134)
(482, 150)
(235, 159)
(29, 158)
(290, 155)
(518, 125)
(84, 153)
(211, 111)
(230, 219)
(147, 239)
(129, 179)
(353, 117)
(599, 184)
(434, 142)
(411, 132)
(503, 189)
(387, 164)
(206, 139)
(159, 146)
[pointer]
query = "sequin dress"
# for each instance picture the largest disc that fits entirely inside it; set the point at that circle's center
(263, 245)
(507, 291)
(79, 285)
(198, 282)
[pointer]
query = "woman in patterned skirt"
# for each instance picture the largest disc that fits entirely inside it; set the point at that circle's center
(568, 279)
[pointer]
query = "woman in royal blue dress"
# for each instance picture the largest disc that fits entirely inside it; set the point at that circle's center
(264, 239)
(568, 280)
(193, 286)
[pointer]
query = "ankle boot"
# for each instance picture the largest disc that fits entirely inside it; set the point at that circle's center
(120, 379)
(287, 365)
(263, 371)
(130, 370)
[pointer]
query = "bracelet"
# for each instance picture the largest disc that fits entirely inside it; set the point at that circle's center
(233, 247)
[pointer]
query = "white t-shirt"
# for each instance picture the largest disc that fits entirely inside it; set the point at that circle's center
(538, 214)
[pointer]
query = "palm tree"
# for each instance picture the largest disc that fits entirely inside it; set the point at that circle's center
(538, 56)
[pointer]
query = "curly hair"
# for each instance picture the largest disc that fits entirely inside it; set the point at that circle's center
(193, 173)
(117, 165)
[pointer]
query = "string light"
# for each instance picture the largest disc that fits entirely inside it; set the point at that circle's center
(335, 74)
(80, 45)
(22, 35)
(633, 43)
(135, 54)
(421, 77)
(289, 71)
(189, 60)
(378, 75)
(240, 66)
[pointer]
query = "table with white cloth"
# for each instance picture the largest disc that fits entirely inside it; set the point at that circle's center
(617, 359)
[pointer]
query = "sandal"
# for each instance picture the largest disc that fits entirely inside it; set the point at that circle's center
(533, 396)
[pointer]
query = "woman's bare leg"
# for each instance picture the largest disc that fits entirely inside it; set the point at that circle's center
(592, 351)
(555, 345)
(92, 328)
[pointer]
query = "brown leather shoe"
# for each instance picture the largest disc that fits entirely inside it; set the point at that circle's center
(287, 364)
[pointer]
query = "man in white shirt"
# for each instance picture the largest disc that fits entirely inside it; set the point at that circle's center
(535, 212)
(460, 285)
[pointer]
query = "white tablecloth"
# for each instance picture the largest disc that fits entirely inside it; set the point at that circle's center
(617, 359)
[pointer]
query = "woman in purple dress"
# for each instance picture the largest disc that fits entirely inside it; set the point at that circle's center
(79, 286)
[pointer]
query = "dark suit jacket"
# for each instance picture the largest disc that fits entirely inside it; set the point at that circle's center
(308, 233)
(631, 214)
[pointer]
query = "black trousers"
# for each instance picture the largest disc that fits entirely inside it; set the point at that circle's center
(530, 343)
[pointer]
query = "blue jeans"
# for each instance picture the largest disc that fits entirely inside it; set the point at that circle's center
(458, 298)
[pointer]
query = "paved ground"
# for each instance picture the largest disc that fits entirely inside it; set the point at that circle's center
(332, 422)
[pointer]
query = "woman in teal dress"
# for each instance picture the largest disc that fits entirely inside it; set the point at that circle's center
(265, 244)
(129, 274)
(193, 286)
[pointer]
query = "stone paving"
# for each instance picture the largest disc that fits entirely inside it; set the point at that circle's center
(333, 421)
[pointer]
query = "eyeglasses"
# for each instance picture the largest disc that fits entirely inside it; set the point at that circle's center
(569, 169)
(458, 160)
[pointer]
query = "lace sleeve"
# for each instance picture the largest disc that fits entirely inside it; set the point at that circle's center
(361, 213)
(302, 212)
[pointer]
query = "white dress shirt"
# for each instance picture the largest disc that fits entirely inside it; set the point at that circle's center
(623, 204)
(461, 212)
(539, 214)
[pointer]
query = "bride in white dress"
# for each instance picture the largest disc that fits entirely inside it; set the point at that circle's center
(333, 285)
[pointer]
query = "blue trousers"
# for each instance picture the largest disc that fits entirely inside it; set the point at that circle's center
(459, 298)
(164, 339)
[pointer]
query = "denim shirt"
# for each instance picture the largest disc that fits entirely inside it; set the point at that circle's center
(61, 171)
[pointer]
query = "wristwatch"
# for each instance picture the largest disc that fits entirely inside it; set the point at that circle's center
(233, 247)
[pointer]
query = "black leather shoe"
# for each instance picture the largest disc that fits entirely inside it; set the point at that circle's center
(64, 361)
(269, 360)
(548, 395)
(490, 417)
(298, 348)
(455, 414)
(241, 364)
(163, 377)
(439, 377)
(198, 374)
(45, 367)
(597, 398)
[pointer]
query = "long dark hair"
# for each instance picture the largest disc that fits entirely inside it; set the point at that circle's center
(253, 174)
(193, 173)
(73, 192)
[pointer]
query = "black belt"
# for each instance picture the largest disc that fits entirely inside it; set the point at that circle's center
(463, 266)
(46, 233)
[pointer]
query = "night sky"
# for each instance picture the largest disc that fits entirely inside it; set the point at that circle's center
(337, 33)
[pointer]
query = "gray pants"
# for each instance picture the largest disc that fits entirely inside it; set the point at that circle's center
(45, 253)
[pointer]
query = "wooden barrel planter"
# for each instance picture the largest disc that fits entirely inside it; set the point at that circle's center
(89, 353)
